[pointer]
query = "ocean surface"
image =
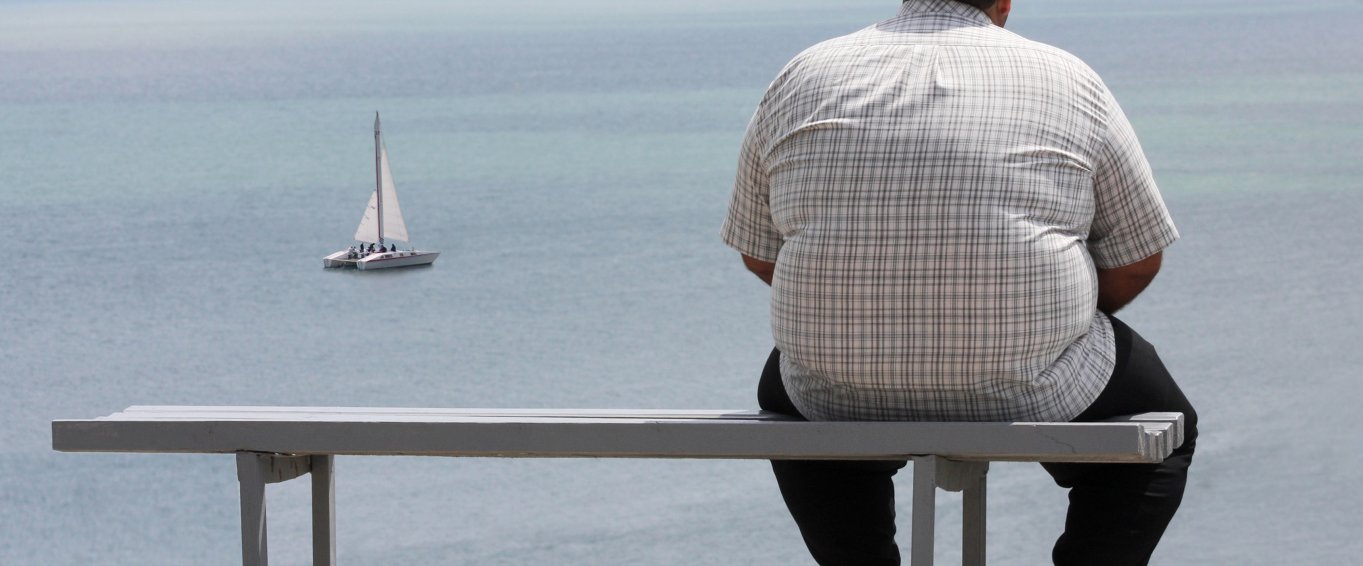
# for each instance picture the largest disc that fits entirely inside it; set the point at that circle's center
(172, 173)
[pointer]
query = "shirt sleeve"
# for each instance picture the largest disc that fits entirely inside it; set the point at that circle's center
(749, 227)
(1130, 220)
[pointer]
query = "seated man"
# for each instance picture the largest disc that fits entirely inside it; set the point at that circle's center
(949, 215)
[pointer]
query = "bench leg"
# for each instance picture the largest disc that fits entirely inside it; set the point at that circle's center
(924, 509)
(251, 473)
(972, 522)
(254, 471)
(932, 472)
(323, 511)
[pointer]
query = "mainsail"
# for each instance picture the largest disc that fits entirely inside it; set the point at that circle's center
(393, 226)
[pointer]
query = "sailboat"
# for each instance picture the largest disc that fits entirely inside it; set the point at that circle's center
(382, 222)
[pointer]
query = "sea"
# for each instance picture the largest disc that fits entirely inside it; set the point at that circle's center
(171, 174)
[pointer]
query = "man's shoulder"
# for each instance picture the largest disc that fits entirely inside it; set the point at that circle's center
(978, 47)
(989, 38)
(1054, 53)
(834, 46)
(821, 57)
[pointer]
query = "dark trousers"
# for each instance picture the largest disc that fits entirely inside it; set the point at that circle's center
(1117, 514)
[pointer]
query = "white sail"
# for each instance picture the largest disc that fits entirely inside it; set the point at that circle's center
(393, 226)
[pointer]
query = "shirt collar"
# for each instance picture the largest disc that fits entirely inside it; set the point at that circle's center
(950, 7)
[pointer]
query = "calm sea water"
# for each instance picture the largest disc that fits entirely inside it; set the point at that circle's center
(170, 177)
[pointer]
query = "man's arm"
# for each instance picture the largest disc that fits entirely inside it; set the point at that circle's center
(1119, 285)
(764, 270)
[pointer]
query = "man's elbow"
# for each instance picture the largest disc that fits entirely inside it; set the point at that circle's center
(1120, 285)
(764, 270)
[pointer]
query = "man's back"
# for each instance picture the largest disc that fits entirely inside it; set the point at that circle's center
(937, 191)
(948, 215)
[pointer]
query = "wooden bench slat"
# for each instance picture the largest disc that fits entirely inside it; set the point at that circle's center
(379, 414)
(604, 433)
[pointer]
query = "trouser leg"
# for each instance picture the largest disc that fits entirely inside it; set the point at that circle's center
(844, 509)
(1118, 512)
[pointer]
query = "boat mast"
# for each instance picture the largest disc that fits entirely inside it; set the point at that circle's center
(378, 176)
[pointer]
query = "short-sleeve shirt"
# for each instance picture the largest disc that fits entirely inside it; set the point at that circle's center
(936, 193)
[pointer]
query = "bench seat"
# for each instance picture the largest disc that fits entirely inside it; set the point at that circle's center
(279, 443)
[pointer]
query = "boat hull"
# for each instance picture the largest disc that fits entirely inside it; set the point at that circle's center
(385, 260)
(396, 259)
(338, 259)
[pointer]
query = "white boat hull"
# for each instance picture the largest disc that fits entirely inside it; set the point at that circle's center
(385, 260)
(338, 259)
(396, 259)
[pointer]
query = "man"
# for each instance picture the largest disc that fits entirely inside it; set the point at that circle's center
(948, 215)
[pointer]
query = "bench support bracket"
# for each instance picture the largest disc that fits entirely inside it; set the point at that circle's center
(254, 471)
(932, 472)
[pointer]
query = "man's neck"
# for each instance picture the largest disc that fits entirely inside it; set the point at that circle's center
(998, 13)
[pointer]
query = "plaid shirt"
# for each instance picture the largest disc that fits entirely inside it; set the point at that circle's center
(936, 192)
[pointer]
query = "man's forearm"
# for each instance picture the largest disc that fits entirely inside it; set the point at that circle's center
(762, 269)
(1119, 285)
(1116, 287)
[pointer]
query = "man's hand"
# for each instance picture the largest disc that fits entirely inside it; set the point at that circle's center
(763, 270)
(1119, 285)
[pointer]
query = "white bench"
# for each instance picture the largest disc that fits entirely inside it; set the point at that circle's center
(274, 444)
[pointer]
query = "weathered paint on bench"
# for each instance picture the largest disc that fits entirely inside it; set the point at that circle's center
(279, 443)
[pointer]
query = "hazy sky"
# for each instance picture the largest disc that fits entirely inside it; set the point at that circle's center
(29, 24)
